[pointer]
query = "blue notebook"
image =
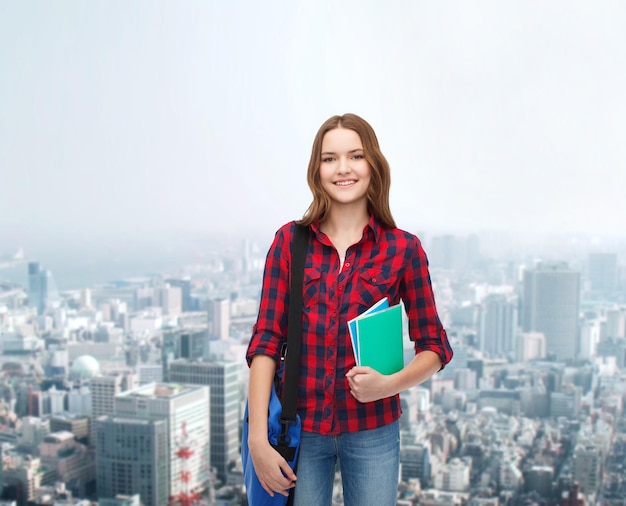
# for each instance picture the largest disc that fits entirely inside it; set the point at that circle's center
(352, 327)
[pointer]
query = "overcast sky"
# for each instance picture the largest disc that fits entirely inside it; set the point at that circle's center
(122, 118)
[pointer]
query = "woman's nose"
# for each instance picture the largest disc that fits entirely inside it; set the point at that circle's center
(344, 166)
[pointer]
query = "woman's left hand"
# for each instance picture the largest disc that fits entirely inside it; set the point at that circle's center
(367, 384)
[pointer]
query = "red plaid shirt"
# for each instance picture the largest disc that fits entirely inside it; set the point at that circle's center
(385, 262)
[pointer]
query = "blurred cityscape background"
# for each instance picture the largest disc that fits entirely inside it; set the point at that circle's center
(132, 391)
(150, 149)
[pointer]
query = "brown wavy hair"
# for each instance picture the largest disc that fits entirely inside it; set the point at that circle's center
(380, 174)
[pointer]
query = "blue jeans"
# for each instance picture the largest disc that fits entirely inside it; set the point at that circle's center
(369, 461)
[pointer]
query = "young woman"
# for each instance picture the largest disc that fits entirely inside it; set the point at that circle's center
(356, 256)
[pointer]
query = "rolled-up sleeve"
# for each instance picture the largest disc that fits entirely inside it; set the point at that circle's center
(270, 330)
(425, 327)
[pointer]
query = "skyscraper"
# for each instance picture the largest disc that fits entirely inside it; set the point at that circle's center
(602, 271)
(223, 380)
(103, 392)
(415, 460)
(587, 466)
(169, 298)
(186, 409)
(185, 287)
(551, 300)
(42, 289)
(497, 325)
(133, 456)
(183, 342)
(219, 319)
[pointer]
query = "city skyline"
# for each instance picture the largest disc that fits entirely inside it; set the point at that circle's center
(137, 120)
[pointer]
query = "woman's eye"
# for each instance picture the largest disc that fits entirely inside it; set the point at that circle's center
(358, 157)
(327, 160)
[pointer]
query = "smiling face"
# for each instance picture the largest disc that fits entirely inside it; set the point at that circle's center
(344, 171)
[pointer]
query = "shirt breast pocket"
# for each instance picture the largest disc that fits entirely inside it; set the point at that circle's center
(312, 287)
(374, 284)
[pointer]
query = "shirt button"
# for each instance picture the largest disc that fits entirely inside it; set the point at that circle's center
(373, 280)
(347, 264)
(334, 315)
(340, 288)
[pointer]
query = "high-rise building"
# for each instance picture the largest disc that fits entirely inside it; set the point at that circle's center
(219, 319)
(566, 403)
(186, 408)
(587, 467)
(79, 400)
(185, 287)
(590, 332)
(183, 342)
(170, 299)
(36, 287)
(85, 298)
(34, 429)
(602, 271)
(615, 323)
(133, 456)
(497, 325)
(415, 463)
(223, 380)
(42, 288)
(550, 305)
(149, 373)
(103, 392)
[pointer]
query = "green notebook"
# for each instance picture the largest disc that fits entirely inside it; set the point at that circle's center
(379, 337)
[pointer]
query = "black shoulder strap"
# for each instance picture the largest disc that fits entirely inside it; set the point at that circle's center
(299, 248)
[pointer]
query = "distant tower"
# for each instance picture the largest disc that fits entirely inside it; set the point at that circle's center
(103, 392)
(615, 323)
(222, 378)
(170, 299)
(175, 403)
(185, 287)
(587, 467)
(590, 333)
(219, 319)
(138, 461)
(550, 305)
(602, 268)
(183, 342)
(36, 287)
(497, 325)
(85, 298)
(42, 289)
(415, 460)
(184, 452)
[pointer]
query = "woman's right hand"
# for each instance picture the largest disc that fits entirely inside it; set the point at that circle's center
(273, 471)
(271, 468)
